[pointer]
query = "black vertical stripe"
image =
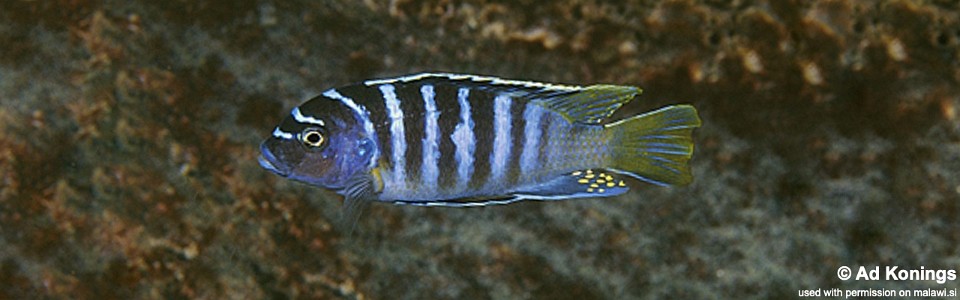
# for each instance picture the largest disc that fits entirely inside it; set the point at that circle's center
(414, 113)
(545, 121)
(518, 123)
(446, 98)
(482, 111)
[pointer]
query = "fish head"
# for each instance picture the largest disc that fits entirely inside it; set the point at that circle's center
(322, 143)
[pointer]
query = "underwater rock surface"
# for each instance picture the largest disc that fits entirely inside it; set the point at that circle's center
(129, 134)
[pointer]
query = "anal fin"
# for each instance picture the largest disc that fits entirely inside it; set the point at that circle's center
(462, 202)
(578, 184)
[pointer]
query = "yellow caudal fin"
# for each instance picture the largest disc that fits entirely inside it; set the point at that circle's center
(655, 147)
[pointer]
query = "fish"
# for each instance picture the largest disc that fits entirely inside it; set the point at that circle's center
(457, 140)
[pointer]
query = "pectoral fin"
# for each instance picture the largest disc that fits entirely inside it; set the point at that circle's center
(359, 192)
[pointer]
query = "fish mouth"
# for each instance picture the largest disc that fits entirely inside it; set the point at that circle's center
(267, 161)
(266, 164)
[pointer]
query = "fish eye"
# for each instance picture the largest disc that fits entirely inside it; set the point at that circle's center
(312, 137)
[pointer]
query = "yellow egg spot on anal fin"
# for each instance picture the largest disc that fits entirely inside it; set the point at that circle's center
(576, 173)
(621, 183)
(610, 184)
(600, 191)
(589, 190)
(594, 185)
(588, 176)
(601, 181)
(583, 181)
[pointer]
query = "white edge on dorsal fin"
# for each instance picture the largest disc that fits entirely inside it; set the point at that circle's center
(474, 78)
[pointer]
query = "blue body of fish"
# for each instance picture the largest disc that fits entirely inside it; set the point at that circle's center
(464, 140)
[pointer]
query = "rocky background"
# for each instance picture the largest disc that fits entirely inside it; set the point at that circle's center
(129, 134)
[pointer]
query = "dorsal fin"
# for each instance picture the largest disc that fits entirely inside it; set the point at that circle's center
(591, 104)
(587, 105)
(477, 81)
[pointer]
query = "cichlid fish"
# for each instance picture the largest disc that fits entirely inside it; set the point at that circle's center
(465, 140)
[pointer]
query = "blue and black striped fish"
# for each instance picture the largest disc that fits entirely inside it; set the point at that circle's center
(465, 140)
